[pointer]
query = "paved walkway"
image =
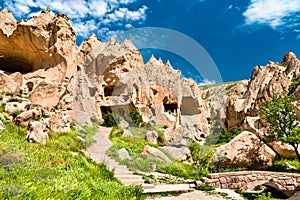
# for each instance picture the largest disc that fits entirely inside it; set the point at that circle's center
(97, 152)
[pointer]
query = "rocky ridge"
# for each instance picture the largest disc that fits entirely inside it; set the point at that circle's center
(57, 81)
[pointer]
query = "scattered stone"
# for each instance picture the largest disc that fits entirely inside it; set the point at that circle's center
(124, 124)
(152, 151)
(26, 117)
(151, 137)
(19, 105)
(182, 154)
(123, 154)
(37, 133)
(127, 133)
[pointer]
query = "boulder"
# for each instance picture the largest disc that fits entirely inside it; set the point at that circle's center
(257, 126)
(123, 154)
(127, 133)
(152, 151)
(37, 133)
(151, 137)
(26, 117)
(17, 105)
(182, 154)
(245, 151)
(123, 124)
(60, 121)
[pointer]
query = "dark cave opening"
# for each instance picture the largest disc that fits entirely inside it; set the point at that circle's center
(15, 64)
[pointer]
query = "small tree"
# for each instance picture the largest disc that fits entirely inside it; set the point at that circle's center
(282, 120)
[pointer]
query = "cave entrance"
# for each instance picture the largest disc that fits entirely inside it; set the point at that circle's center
(171, 108)
(15, 64)
(30, 86)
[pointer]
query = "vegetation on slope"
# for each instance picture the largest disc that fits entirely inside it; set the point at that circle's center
(57, 170)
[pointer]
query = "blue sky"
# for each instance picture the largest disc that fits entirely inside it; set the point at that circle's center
(237, 35)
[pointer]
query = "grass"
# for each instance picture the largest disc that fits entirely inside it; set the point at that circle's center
(57, 170)
(279, 165)
(135, 145)
(88, 133)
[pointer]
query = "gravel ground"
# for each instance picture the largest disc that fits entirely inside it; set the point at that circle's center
(196, 195)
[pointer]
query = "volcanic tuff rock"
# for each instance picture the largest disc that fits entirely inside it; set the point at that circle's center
(92, 80)
(114, 78)
(265, 83)
(246, 151)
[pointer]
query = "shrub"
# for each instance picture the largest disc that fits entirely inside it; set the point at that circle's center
(134, 117)
(205, 187)
(111, 120)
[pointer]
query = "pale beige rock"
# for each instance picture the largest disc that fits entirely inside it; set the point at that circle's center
(152, 151)
(151, 137)
(60, 121)
(46, 70)
(182, 154)
(257, 127)
(265, 83)
(45, 94)
(246, 151)
(37, 132)
(123, 154)
(17, 105)
(26, 117)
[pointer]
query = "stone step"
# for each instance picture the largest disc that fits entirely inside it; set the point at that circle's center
(147, 186)
(127, 177)
(123, 172)
(133, 182)
(169, 188)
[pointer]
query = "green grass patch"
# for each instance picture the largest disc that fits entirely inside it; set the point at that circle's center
(54, 170)
(135, 145)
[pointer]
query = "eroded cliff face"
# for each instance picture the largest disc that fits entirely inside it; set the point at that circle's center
(265, 83)
(114, 78)
(38, 56)
(39, 60)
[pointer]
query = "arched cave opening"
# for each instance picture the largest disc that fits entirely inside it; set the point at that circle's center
(30, 86)
(15, 64)
(170, 107)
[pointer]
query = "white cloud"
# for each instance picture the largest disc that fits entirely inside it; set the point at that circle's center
(207, 82)
(275, 13)
(86, 15)
(85, 29)
(127, 15)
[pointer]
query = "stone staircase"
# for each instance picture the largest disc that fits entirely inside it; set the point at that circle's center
(97, 152)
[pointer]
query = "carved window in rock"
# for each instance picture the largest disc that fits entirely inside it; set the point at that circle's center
(30, 86)
(170, 108)
(109, 91)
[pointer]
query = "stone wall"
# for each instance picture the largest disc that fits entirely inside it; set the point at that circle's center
(233, 180)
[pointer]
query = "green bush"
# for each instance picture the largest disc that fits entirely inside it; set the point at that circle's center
(293, 87)
(136, 117)
(111, 120)
(205, 187)
(223, 137)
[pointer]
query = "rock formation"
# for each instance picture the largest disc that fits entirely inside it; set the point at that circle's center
(61, 81)
(266, 82)
(114, 79)
(245, 151)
